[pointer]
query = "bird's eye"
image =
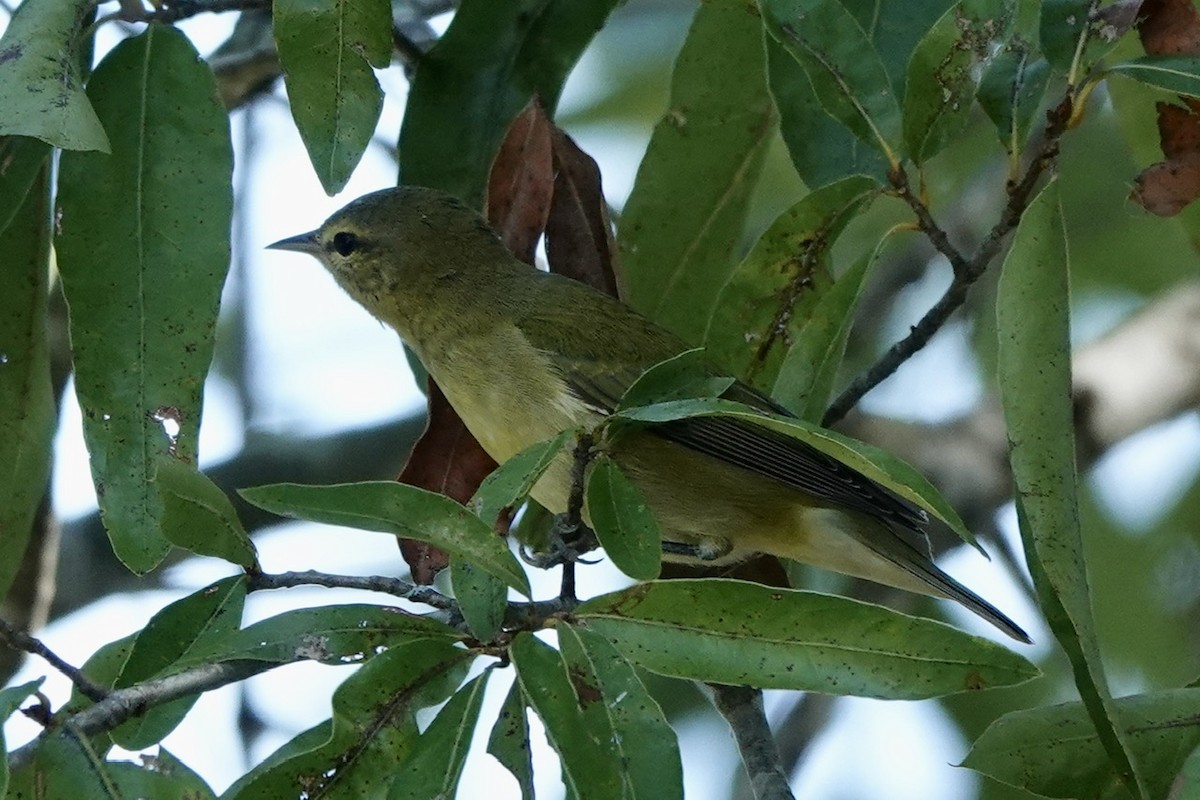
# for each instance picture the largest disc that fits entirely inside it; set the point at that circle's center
(345, 243)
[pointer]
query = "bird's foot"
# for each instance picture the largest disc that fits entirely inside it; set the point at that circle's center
(567, 543)
(705, 550)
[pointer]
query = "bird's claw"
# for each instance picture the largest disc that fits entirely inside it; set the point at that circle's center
(567, 544)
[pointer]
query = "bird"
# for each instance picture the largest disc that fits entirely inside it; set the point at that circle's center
(523, 354)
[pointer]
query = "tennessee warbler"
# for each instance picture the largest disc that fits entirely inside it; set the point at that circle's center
(523, 354)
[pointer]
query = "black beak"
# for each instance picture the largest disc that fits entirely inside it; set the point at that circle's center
(304, 243)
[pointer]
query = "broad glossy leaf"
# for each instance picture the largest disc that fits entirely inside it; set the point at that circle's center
(41, 89)
(345, 634)
(774, 289)
(143, 250)
(876, 464)
(625, 715)
(482, 598)
(807, 374)
(510, 483)
(732, 632)
(372, 732)
(433, 769)
(841, 62)
(623, 521)
(823, 150)
(1053, 751)
(1033, 320)
(895, 29)
(407, 511)
(591, 766)
(509, 741)
(682, 225)
(327, 49)
(198, 516)
(21, 159)
(27, 413)
(943, 74)
(492, 59)
(1063, 25)
(192, 624)
(1178, 74)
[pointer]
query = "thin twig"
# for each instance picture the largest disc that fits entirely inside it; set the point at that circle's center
(573, 522)
(742, 708)
(966, 271)
(371, 583)
(124, 704)
(19, 640)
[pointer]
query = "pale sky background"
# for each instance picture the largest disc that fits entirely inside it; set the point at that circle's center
(323, 364)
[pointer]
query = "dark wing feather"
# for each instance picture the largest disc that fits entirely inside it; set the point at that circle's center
(598, 364)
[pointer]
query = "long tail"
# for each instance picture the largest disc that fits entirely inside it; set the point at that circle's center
(901, 553)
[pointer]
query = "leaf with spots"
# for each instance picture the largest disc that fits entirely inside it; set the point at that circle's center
(327, 49)
(143, 248)
(775, 288)
(623, 521)
(372, 732)
(192, 624)
(623, 713)
(738, 633)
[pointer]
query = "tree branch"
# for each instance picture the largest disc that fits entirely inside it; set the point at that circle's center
(19, 640)
(966, 271)
(742, 708)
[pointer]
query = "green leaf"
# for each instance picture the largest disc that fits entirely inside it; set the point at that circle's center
(680, 377)
(943, 74)
(732, 632)
(11, 700)
(190, 625)
(41, 90)
(327, 49)
(339, 635)
(1011, 90)
(1064, 23)
(1178, 74)
(21, 158)
(492, 59)
(482, 598)
(624, 714)
(300, 744)
(1032, 311)
(876, 464)
(841, 62)
(27, 412)
(64, 765)
(807, 374)
(822, 149)
(774, 289)
(1053, 751)
(198, 516)
(391, 507)
(509, 741)
(681, 225)
(591, 766)
(623, 521)
(143, 256)
(161, 777)
(103, 667)
(434, 768)
(507, 486)
(372, 732)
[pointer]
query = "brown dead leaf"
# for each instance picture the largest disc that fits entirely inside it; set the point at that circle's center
(1172, 27)
(579, 241)
(446, 459)
(521, 182)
